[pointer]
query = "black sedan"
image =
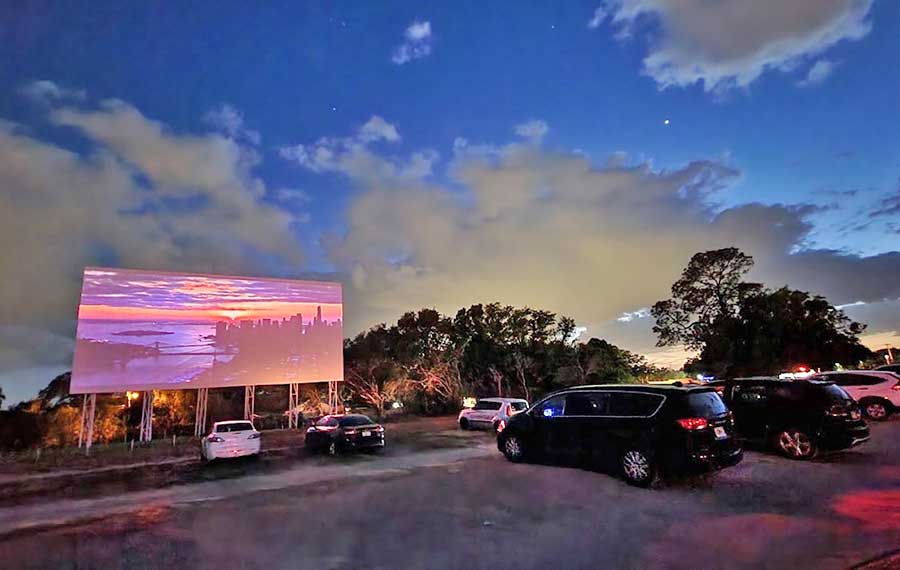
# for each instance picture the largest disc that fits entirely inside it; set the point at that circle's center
(338, 433)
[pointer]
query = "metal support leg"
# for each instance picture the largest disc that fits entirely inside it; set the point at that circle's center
(200, 412)
(293, 405)
(333, 397)
(147, 417)
(249, 402)
(86, 431)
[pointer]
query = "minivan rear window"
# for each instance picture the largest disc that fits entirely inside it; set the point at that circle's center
(518, 406)
(487, 405)
(706, 404)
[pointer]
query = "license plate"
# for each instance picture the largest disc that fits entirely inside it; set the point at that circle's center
(720, 432)
(367, 433)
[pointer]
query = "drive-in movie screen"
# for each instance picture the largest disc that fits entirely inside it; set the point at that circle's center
(142, 330)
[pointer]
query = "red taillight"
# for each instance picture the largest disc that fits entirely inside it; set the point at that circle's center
(349, 432)
(896, 387)
(379, 429)
(693, 423)
(501, 426)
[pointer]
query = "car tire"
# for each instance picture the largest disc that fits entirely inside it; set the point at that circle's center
(876, 409)
(463, 424)
(638, 468)
(514, 448)
(795, 443)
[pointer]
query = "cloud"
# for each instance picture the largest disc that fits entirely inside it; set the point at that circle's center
(47, 92)
(598, 17)
(553, 230)
(533, 131)
(417, 43)
(139, 196)
(731, 43)
(230, 121)
(352, 155)
(817, 73)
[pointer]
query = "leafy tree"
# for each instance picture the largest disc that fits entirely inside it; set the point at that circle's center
(743, 328)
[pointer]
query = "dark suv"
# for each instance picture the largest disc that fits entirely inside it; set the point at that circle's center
(638, 430)
(796, 417)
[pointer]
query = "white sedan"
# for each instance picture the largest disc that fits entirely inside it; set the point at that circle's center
(490, 412)
(236, 438)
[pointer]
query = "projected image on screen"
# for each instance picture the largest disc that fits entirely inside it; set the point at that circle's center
(141, 330)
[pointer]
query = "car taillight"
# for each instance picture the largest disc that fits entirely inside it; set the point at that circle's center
(214, 439)
(896, 387)
(254, 435)
(379, 429)
(349, 432)
(501, 426)
(693, 423)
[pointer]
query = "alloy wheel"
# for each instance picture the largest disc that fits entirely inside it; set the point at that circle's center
(513, 449)
(795, 443)
(636, 466)
(876, 411)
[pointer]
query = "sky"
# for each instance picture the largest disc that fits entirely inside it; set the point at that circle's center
(566, 156)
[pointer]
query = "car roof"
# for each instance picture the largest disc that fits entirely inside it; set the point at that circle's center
(886, 374)
(654, 388)
(227, 422)
(502, 400)
(774, 380)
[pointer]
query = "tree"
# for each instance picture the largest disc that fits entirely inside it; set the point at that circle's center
(743, 328)
(708, 291)
(2, 397)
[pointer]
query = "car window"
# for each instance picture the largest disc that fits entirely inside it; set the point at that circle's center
(487, 405)
(240, 426)
(706, 404)
(518, 406)
(854, 379)
(834, 393)
(328, 421)
(587, 404)
(626, 404)
(749, 393)
(349, 421)
(553, 407)
(889, 368)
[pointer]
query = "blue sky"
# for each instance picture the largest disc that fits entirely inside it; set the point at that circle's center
(734, 84)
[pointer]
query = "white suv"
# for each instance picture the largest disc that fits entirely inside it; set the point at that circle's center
(878, 392)
(490, 412)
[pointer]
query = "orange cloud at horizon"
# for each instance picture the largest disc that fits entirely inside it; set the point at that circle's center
(231, 311)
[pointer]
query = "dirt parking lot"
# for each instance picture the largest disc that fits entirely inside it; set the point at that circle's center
(464, 506)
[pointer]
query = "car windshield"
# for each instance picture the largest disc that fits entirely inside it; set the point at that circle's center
(706, 404)
(239, 426)
(835, 393)
(327, 421)
(487, 405)
(350, 421)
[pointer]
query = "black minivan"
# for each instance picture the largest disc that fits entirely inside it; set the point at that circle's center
(796, 417)
(639, 431)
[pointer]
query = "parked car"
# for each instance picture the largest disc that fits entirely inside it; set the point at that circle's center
(489, 412)
(640, 431)
(335, 434)
(236, 438)
(877, 391)
(796, 417)
(895, 368)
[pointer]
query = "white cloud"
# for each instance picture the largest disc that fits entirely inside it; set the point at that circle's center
(230, 121)
(598, 18)
(417, 43)
(533, 131)
(817, 73)
(141, 197)
(730, 43)
(44, 91)
(552, 230)
(352, 155)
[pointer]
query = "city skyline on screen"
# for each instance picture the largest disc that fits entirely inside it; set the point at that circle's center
(149, 330)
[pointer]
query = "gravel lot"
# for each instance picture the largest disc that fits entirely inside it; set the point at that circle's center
(464, 506)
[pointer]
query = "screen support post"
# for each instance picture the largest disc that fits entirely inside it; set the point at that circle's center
(147, 417)
(249, 401)
(86, 430)
(333, 396)
(293, 404)
(200, 412)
